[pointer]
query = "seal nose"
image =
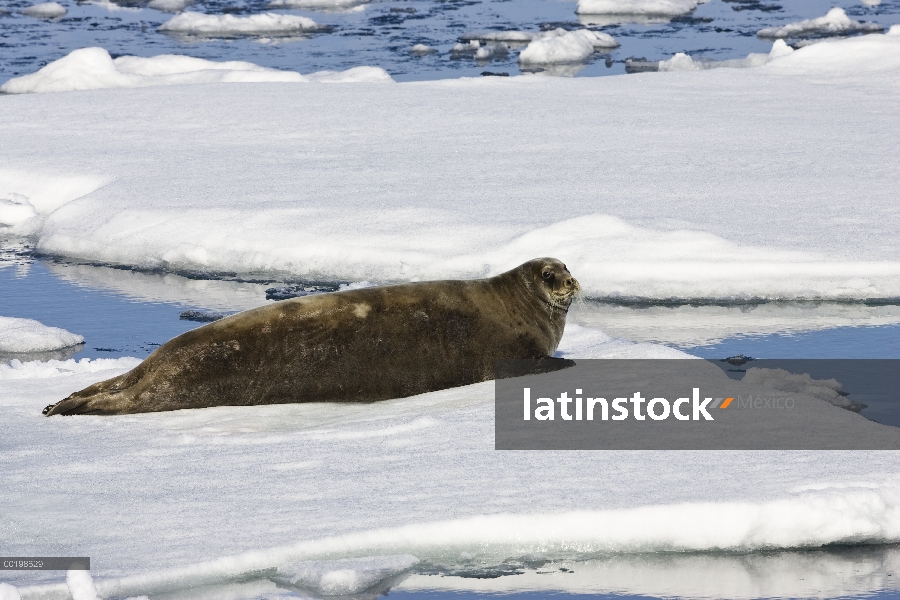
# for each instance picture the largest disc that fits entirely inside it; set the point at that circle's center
(570, 282)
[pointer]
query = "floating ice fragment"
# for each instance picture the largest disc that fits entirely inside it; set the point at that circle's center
(515, 37)
(172, 6)
(558, 46)
(28, 335)
(636, 7)
(829, 390)
(835, 22)
(45, 10)
(268, 24)
(332, 5)
(491, 50)
(422, 49)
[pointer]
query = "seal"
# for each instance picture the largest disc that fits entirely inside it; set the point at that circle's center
(352, 346)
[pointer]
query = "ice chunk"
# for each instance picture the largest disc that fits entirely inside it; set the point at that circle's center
(335, 5)
(422, 49)
(680, 62)
(835, 22)
(683, 62)
(636, 7)
(516, 37)
(172, 6)
(81, 586)
(28, 335)
(14, 209)
(354, 75)
(265, 24)
(558, 46)
(491, 50)
(828, 390)
(342, 577)
(45, 10)
(465, 48)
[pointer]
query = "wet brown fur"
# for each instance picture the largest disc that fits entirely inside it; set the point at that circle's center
(358, 346)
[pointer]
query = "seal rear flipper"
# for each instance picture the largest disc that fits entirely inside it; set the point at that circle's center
(506, 369)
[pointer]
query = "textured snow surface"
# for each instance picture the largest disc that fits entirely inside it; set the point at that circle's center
(717, 183)
(94, 68)
(636, 7)
(194, 23)
(45, 10)
(833, 23)
(28, 335)
(264, 487)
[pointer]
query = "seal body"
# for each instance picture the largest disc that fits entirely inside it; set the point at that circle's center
(352, 346)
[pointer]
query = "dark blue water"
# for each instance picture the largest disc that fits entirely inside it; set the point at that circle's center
(383, 32)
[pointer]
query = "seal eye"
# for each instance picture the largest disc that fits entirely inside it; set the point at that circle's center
(547, 274)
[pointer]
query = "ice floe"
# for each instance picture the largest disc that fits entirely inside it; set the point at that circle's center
(14, 209)
(45, 10)
(702, 215)
(265, 24)
(94, 68)
(28, 335)
(329, 5)
(637, 7)
(835, 22)
(172, 6)
(559, 47)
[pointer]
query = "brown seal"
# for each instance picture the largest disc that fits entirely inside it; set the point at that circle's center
(352, 346)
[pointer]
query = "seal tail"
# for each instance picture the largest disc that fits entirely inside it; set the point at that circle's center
(99, 399)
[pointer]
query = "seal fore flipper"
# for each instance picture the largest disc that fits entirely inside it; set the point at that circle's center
(506, 369)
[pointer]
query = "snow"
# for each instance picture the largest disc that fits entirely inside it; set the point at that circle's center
(336, 496)
(798, 383)
(8, 592)
(40, 370)
(559, 47)
(45, 10)
(173, 6)
(517, 37)
(636, 7)
(835, 22)
(28, 335)
(492, 50)
(81, 586)
(265, 24)
(455, 179)
(94, 68)
(332, 5)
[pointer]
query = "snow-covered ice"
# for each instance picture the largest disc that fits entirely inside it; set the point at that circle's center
(94, 68)
(560, 47)
(342, 577)
(45, 10)
(835, 22)
(636, 7)
(293, 486)
(754, 203)
(169, 5)
(28, 335)
(15, 209)
(330, 5)
(264, 24)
